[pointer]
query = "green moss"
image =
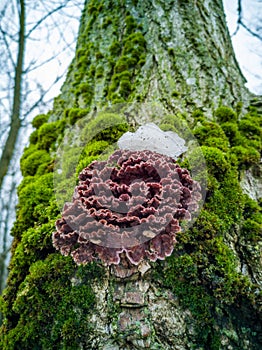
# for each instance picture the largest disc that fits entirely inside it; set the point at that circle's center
(106, 127)
(125, 88)
(178, 123)
(167, 127)
(30, 164)
(246, 156)
(212, 185)
(239, 107)
(205, 274)
(217, 164)
(83, 62)
(53, 303)
(33, 138)
(91, 153)
(84, 89)
(225, 114)
(99, 55)
(228, 284)
(28, 151)
(35, 244)
(39, 120)
(142, 61)
(231, 131)
(171, 51)
(123, 75)
(254, 113)
(251, 230)
(132, 57)
(33, 199)
(115, 48)
(217, 142)
(48, 133)
(202, 256)
(252, 210)
(257, 144)
(95, 148)
(244, 137)
(117, 99)
(121, 65)
(84, 162)
(131, 24)
(250, 128)
(211, 130)
(106, 22)
(208, 226)
(192, 296)
(175, 94)
(251, 227)
(99, 72)
(198, 115)
(117, 78)
(92, 72)
(134, 39)
(81, 53)
(74, 114)
(227, 201)
(206, 269)
(124, 63)
(25, 181)
(94, 8)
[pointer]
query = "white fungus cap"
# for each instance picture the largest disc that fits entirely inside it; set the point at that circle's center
(151, 137)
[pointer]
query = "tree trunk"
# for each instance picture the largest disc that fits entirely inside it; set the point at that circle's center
(177, 55)
(15, 126)
(184, 59)
(15, 116)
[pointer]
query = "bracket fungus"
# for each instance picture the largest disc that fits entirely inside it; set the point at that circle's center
(128, 207)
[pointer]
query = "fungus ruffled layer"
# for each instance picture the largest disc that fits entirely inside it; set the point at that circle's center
(130, 205)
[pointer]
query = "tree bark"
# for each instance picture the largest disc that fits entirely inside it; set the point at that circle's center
(187, 62)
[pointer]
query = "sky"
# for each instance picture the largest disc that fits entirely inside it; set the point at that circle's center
(248, 49)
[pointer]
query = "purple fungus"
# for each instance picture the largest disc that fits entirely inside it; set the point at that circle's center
(129, 206)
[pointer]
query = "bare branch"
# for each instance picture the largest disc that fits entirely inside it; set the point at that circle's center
(7, 46)
(240, 22)
(30, 69)
(250, 31)
(239, 12)
(41, 98)
(15, 116)
(45, 17)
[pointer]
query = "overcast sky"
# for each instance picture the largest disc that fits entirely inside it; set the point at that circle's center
(248, 49)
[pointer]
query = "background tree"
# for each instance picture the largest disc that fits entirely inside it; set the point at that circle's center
(206, 294)
(25, 32)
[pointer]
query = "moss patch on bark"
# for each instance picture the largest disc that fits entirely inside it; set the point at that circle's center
(48, 299)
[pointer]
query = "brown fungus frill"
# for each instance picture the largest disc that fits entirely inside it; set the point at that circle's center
(129, 205)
